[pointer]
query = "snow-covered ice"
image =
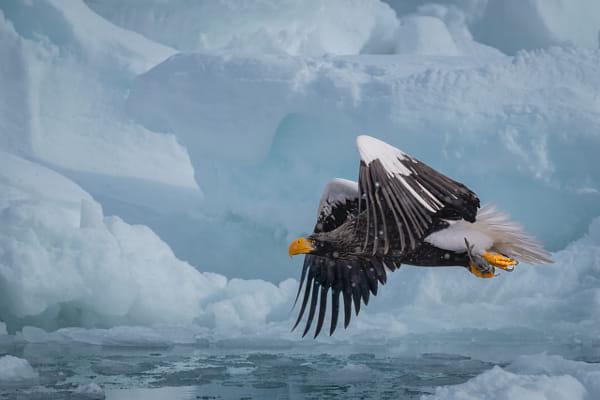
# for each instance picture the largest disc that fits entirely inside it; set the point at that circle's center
(156, 158)
(63, 263)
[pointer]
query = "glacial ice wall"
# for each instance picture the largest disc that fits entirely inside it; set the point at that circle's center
(128, 166)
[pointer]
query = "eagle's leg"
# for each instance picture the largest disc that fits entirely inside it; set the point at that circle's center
(482, 274)
(498, 260)
(479, 265)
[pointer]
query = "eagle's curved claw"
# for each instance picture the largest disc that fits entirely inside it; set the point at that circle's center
(500, 261)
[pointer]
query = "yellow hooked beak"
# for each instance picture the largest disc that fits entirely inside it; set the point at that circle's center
(301, 246)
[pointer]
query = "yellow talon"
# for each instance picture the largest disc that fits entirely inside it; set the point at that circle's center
(475, 271)
(498, 260)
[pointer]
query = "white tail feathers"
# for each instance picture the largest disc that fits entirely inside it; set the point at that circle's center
(509, 238)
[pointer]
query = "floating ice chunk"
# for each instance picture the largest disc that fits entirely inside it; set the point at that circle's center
(537, 376)
(14, 369)
(499, 384)
(90, 391)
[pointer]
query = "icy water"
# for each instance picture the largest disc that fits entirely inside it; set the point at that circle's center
(233, 370)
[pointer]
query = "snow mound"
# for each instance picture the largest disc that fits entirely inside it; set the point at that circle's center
(62, 263)
(530, 377)
(14, 370)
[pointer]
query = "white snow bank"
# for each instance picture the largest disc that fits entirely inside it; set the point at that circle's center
(14, 369)
(308, 27)
(267, 133)
(530, 377)
(62, 263)
(64, 79)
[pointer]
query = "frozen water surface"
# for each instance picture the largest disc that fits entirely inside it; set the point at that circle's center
(410, 368)
(156, 159)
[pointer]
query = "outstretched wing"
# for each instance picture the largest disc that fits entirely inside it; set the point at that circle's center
(402, 196)
(354, 280)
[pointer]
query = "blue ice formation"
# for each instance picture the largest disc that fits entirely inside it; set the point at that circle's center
(156, 163)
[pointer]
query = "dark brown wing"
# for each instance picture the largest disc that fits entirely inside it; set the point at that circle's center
(404, 197)
(354, 280)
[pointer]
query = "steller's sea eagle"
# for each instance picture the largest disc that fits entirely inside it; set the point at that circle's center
(401, 211)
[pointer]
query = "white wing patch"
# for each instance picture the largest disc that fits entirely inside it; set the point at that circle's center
(370, 149)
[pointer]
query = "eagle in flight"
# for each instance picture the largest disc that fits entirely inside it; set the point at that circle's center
(401, 211)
